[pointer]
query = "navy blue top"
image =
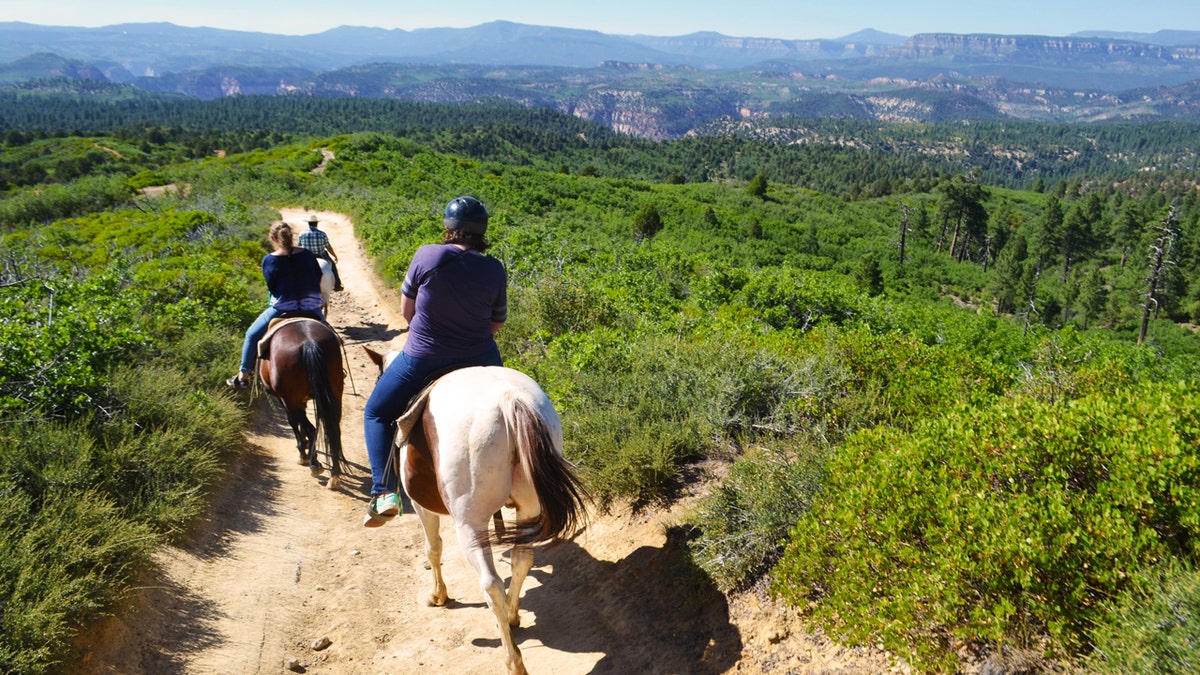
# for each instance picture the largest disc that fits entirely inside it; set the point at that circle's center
(459, 294)
(294, 281)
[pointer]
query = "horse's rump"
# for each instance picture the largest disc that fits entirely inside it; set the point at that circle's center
(521, 416)
(559, 491)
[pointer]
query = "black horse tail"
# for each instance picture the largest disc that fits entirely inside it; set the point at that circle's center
(560, 492)
(329, 407)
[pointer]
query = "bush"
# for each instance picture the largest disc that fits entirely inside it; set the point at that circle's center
(999, 525)
(742, 524)
(67, 556)
(641, 406)
(1154, 628)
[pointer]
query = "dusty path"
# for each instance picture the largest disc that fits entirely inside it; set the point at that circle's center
(282, 563)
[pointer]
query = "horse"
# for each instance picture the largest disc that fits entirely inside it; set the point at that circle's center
(301, 359)
(478, 439)
(326, 283)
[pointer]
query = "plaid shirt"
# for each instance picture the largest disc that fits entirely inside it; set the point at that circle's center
(314, 240)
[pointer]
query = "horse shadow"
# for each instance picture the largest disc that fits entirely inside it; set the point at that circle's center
(653, 612)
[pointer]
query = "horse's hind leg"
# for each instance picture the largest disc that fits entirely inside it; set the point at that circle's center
(521, 556)
(294, 421)
(479, 554)
(310, 435)
(430, 521)
(522, 562)
(306, 439)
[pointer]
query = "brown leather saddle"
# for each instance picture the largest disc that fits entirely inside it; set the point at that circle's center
(264, 345)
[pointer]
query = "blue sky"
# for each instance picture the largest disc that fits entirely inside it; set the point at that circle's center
(794, 19)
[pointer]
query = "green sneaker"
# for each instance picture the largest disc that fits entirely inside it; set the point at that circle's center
(381, 509)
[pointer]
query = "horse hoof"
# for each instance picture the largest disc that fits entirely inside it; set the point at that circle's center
(303, 462)
(315, 469)
(437, 600)
(335, 483)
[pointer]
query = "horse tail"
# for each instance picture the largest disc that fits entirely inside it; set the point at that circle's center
(559, 491)
(329, 407)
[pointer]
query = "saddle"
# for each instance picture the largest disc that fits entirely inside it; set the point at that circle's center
(264, 345)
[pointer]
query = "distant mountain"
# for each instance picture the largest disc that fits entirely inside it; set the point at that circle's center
(650, 86)
(151, 49)
(874, 37)
(45, 65)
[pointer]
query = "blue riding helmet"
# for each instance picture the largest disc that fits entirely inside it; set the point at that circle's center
(466, 214)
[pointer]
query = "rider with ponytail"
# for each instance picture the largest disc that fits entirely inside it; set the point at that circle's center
(293, 278)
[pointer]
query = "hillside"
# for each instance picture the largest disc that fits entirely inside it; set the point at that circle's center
(282, 562)
(738, 357)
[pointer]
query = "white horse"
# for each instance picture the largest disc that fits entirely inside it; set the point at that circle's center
(478, 439)
(326, 284)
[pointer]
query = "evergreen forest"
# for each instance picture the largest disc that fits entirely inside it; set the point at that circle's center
(949, 370)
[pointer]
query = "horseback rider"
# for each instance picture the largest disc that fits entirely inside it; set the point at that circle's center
(455, 299)
(317, 241)
(293, 279)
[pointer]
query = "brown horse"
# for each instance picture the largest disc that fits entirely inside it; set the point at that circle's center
(302, 361)
(479, 439)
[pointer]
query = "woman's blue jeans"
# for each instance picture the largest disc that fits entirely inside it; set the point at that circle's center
(402, 380)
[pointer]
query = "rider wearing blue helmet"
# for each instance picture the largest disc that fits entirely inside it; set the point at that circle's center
(455, 299)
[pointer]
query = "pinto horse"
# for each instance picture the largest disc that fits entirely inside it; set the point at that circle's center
(302, 360)
(476, 440)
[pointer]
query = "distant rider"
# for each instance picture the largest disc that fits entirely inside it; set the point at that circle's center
(317, 241)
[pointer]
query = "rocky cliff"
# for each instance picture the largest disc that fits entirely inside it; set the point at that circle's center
(1054, 49)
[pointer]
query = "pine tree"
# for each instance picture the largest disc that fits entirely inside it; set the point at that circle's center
(757, 186)
(646, 223)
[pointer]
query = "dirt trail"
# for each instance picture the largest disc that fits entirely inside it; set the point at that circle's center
(282, 563)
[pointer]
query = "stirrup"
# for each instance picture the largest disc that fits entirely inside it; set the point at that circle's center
(375, 518)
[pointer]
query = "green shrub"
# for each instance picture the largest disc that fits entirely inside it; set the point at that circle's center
(66, 557)
(1153, 628)
(743, 523)
(168, 445)
(146, 178)
(60, 338)
(1000, 524)
(640, 406)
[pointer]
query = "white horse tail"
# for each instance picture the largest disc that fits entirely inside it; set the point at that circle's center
(559, 490)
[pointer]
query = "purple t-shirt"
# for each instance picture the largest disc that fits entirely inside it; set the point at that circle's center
(459, 294)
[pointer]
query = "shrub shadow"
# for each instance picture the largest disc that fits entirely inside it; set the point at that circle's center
(184, 624)
(654, 612)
